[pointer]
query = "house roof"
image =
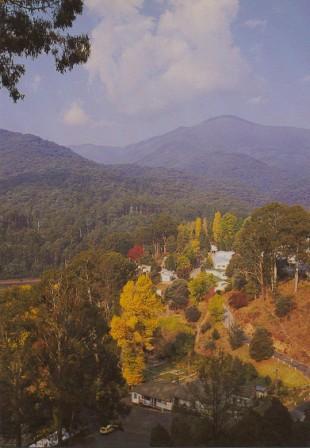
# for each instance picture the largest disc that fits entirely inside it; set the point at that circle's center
(222, 257)
(168, 391)
(261, 388)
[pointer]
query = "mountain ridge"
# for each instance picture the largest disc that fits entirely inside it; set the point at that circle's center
(273, 159)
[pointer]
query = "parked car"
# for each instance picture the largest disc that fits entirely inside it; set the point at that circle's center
(105, 430)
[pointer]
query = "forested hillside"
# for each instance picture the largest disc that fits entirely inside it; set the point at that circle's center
(54, 203)
(272, 160)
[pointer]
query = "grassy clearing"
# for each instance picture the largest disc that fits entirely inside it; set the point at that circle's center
(274, 369)
(175, 324)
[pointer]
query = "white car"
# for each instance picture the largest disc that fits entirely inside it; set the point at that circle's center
(105, 430)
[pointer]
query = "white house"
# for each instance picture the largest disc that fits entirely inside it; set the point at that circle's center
(144, 268)
(162, 395)
(213, 248)
(166, 395)
(167, 276)
(221, 259)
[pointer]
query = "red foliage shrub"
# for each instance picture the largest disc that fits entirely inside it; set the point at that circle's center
(238, 299)
(135, 253)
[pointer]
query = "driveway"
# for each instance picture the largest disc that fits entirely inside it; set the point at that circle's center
(137, 429)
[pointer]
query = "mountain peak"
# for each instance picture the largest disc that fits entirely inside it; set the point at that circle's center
(233, 119)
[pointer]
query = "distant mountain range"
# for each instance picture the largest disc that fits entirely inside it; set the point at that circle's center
(273, 160)
(55, 203)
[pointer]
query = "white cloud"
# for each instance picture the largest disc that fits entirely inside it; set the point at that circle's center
(255, 23)
(257, 100)
(75, 115)
(147, 64)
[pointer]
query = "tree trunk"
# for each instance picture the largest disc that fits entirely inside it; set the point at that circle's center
(261, 276)
(274, 276)
(296, 279)
(275, 273)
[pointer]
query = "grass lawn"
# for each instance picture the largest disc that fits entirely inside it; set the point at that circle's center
(274, 369)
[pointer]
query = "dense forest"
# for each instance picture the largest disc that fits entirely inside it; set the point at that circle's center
(71, 345)
(55, 204)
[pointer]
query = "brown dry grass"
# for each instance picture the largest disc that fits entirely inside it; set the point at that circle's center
(291, 334)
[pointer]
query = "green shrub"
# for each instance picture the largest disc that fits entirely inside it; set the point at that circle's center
(192, 314)
(215, 334)
(210, 345)
(201, 285)
(236, 337)
(206, 327)
(171, 263)
(177, 294)
(180, 347)
(216, 308)
(261, 345)
(238, 281)
(284, 305)
(252, 289)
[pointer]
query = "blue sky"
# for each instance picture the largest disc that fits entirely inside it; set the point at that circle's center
(160, 64)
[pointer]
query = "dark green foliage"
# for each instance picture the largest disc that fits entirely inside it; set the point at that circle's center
(192, 314)
(272, 229)
(54, 204)
(171, 244)
(238, 281)
(29, 28)
(273, 428)
(206, 327)
(118, 242)
(283, 305)
(155, 272)
(222, 376)
(170, 263)
(279, 423)
(261, 345)
(189, 430)
(57, 335)
(160, 436)
(301, 433)
(20, 410)
(180, 347)
(210, 345)
(252, 289)
(236, 337)
(177, 294)
(215, 335)
(181, 431)
(205, 245)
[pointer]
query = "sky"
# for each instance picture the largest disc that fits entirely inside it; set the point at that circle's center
(156, 65)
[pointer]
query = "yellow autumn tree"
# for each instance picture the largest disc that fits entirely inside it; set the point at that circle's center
(133, 330)
(198, 227)
(205, 225)
(217, 227)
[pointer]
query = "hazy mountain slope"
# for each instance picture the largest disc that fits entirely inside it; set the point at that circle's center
(271, 159)
(100, 154)
(54, 203)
